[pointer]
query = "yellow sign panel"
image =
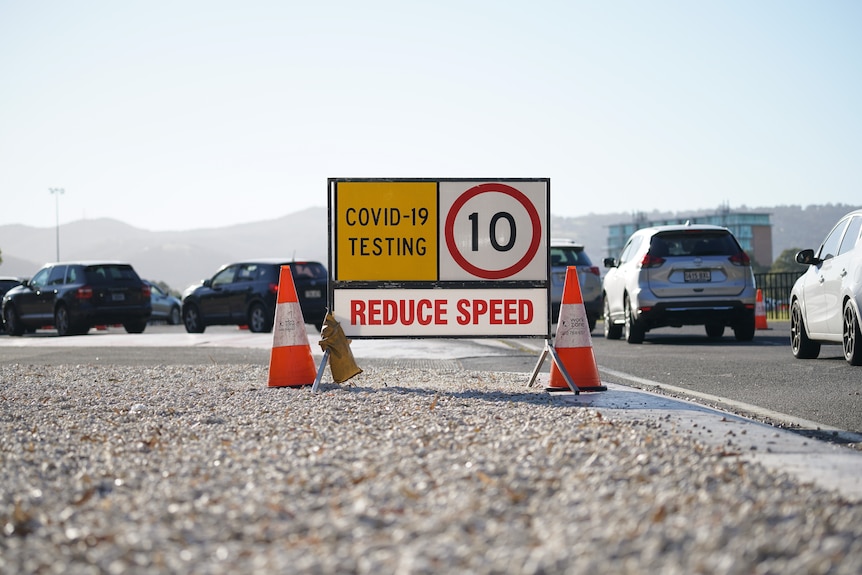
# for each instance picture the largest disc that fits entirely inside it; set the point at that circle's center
(386, 231)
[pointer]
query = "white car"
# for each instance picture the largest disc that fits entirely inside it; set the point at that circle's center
(670, 276)
(825, 302)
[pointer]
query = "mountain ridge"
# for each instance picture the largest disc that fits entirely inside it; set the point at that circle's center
(183, 258)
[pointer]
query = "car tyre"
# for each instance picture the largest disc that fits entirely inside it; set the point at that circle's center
(633, 330)
(714, 330)
(13, 322)
(800, 345)
(612, 330)
(175, 318)
(64, 325)
(192, 319)
(744, 331)
(851, 337)
(258, 319)
(137, 326)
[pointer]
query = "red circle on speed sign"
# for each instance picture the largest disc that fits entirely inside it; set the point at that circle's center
(535, 241)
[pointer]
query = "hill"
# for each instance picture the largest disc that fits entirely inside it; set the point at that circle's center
(181, 258)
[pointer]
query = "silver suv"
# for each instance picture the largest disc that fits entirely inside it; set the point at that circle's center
(565, 253)
(679, 275)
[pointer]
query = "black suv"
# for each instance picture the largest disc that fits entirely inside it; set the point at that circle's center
(245, 293)
(75, 296)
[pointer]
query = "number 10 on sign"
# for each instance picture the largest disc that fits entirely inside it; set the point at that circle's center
(494, 231)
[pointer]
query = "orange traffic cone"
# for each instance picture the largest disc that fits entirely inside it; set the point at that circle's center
(573, 343)
(291, 363)
(759, 312)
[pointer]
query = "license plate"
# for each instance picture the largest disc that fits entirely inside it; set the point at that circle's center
(697, 276)
(312, 293)
(118, 297)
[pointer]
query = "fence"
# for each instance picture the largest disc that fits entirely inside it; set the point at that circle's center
(776, 292)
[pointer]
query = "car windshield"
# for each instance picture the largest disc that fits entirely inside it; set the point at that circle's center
(693, 244)
(104, 273)
(569, 256)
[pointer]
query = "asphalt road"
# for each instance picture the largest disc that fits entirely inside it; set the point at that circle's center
(759, 379)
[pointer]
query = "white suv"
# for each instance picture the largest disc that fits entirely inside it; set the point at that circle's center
(679, 275)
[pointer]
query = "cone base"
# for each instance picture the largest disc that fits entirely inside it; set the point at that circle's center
(562, 389)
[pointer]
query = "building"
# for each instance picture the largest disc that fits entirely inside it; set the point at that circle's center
(753, 230)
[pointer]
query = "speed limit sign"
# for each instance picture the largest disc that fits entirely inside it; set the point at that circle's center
(493, 230)
(440, 257)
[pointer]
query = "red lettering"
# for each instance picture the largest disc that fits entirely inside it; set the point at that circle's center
(422, 312)
(440, 312)
(357, 312)
(390, 312)
(408, 313)
(526, 309)
(496, 310)
(480, 308)
(374, 312)
(463, 307)
(511, 312)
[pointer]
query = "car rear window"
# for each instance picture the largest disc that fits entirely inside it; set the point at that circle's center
(688, 243)
(308, 270)
(106, 273)
(569, 256)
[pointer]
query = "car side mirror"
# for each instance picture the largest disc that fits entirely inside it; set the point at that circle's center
(610, 262)
(806, 257)
(207, 283)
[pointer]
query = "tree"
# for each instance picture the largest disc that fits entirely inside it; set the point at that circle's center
(786, 262)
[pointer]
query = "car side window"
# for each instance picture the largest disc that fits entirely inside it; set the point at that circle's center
(74, 275)
(829, 249)
(247, 273)
(224, 277)
(40, 279)
(630, 249)
(58, 276)
(851, 236)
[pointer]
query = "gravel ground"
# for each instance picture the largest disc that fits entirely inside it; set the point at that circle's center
(204, 469)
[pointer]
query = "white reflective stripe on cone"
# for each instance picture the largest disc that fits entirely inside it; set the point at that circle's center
(573, 330)
(289, 328)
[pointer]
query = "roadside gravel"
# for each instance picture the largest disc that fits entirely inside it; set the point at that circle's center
(204, 469)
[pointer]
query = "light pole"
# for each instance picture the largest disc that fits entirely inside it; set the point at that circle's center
(56, 193)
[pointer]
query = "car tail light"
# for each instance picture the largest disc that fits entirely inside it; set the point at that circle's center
(84, 292)
(650, 261)
(591, 270)
(147, 291)
(273, 288)
(740, 259)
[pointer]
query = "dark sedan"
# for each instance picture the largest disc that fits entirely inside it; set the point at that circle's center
(245, 293)
(72, 297)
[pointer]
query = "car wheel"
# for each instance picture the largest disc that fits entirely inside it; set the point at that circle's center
(62, 322)
(745, 331)
(192, 319)
(13, 322)
(612, 330)
(800, 345)
(851, 337)
(258, 319)
(714, 330)
(137, 326)
(633, 330)
(174, 317)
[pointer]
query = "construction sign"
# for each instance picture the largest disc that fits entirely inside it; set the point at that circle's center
(439, 257)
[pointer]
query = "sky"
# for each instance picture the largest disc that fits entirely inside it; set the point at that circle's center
(179, 115)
